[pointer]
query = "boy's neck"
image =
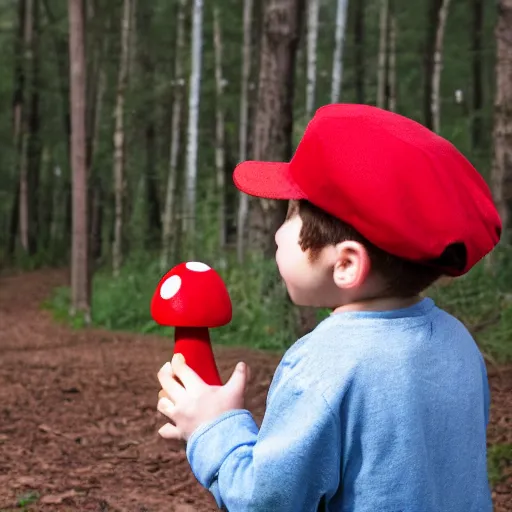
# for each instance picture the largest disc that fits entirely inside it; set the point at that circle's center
(379, 304)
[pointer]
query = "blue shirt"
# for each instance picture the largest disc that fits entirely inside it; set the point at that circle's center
(370, 412)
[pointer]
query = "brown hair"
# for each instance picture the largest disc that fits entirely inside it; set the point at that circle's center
(319, 229)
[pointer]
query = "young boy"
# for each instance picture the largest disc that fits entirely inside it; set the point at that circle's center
(383, 407)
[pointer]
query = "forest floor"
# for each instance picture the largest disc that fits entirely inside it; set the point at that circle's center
(78, 426)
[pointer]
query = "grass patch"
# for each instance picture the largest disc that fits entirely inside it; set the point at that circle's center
(27, 498)
(499, 456)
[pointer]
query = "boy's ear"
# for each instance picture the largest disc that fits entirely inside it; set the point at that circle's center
(352, 265)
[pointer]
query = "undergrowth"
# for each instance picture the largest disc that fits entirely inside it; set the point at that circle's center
(262, 316)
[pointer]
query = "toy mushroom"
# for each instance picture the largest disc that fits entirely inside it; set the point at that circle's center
(193, 298)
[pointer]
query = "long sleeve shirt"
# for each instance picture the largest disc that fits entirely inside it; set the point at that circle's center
(371, 411)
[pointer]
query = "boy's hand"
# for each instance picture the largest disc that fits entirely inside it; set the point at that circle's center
(191, 402)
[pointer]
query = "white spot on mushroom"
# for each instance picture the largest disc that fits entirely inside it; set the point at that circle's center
(197, 266)
(170, 287)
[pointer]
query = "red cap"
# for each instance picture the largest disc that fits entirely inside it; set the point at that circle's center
(191, 295)
(405, 189)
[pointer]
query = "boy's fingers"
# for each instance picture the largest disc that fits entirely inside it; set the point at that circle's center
(183, 372)
(169, 385)
(166, 407)
(169, 431)
(162, 394)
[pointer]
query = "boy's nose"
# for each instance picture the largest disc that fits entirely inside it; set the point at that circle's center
(276, 237)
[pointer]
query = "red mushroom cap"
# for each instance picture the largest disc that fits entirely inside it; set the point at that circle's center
(191, 295)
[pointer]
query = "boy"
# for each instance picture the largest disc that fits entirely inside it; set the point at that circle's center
(383, 407)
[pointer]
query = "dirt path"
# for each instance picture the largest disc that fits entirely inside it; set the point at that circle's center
(77, 413)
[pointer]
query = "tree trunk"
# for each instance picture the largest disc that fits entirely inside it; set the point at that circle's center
(392, 81)
(147, 67)
(80, 288)
(438, 67)
(337, 66)
(501, 177)
(272, 139)
(178, 85)
(476, 48)
(243, 206)
(189, 207)
(312, 39)
(219, 127)
(34, 150)
(17, 111)
(61, 46)
(383, 54)
(119, 140)
(359, 54)
(433, 17)
(25, 135)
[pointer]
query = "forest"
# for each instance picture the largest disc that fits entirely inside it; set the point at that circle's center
(123, 122)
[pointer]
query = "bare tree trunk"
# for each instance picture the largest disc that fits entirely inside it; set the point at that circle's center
(501, 176)
(392, 62)
(383, 54)
(17, 111)
(179, 84)
(243, 206)
(438, 66)
(432, 22)
(189, 214)
(337, 66)
(80, 288)
(34, 149)
(312, 39)
(150, 184)
(359, 51)
(219, 127)
(119, 140)
(24, 198)
(476, 47)
(272, 138)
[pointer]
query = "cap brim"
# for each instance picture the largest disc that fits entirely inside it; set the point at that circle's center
(269, 180)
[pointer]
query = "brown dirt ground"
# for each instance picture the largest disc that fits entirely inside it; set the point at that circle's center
(77, 413)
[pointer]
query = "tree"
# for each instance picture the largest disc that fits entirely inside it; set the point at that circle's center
(476, 60)
(80, 276)
(189, 210)
(337, 66)
(312, 19)
(119, 138)
(24, 201)
(243, 205)
(501, 177)
(435, 102)
(392, 81)
(17, 111)
(383, 54)
(219, 126)
(178, 83)
(359, 55)
(272, 138)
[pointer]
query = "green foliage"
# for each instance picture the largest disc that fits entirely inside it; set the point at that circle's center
(260, 320)
(499, 456)
(27, 498)
(262, 315)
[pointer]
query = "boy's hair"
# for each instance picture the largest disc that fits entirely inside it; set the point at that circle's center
(404, 278)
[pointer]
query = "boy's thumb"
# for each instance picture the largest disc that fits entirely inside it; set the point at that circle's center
(238, 380)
